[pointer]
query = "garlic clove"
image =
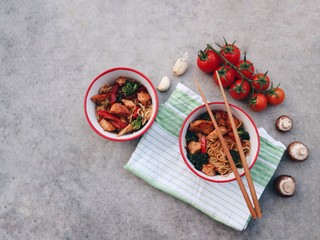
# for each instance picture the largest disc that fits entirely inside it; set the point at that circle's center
(181, 65)
(164, 84)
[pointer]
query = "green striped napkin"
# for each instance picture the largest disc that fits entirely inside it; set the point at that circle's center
(157, 160)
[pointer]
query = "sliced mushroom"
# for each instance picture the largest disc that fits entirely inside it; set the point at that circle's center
(285, 185)
(297, 151)
(284, 123)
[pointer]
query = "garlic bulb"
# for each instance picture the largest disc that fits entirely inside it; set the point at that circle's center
(164, 84)
(181, 65)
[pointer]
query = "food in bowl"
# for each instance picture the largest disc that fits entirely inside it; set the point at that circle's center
(124, 106)
(200, 146)
(105, 89)
(204, 149)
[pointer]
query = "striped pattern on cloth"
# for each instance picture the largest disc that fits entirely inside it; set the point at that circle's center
(157, 160)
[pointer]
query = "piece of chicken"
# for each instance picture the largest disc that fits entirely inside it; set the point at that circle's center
(120, 110)
(121, 81)
(106, 125)
(146, 114)
(99, 98)
(144, 98)
(212, 136)
(194, 147)
(129, 103)
(221, 117)
(201, 126)
(208, 169)
(237, 123)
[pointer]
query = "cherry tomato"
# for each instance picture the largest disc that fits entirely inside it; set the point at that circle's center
(208, 61)
(276, 96)
(260, 81)
(240, 89)
(226, 74)
(246, 68)
(230, 52)
(258, 102)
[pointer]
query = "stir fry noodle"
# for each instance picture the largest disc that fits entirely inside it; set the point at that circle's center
(123, 107)
(204, 149)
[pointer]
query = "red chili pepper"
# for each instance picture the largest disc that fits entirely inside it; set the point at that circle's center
(118, 125)
(203, 144)
(115, 88)
(110, 116)
(136, 111)
(115, 120)
(113, 98)
(114, 93)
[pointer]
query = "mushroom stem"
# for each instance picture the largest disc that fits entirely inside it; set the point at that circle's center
(297, 151)
(285, 124)
(302, 151)
(286, 186)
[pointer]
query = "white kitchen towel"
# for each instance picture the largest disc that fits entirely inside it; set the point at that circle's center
(157, 160)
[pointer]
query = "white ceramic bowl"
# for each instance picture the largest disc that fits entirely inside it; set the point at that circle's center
(109, 76)
(249, 126)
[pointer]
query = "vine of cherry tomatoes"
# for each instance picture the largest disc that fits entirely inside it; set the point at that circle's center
(239, 76)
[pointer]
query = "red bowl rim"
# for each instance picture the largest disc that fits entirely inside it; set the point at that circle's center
(150, 120)
(187, 162)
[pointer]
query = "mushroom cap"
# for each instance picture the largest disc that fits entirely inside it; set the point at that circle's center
(285, 185)
(297, 151)
(284, 123)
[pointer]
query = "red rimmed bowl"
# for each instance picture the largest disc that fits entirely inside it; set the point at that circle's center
(248, 125)
(109, 76)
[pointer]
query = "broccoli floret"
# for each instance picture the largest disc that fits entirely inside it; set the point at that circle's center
(136, 124)
(205, 116)
(129, 88)
(191, 136)
(236, 158)
(243, 134)
(198, 160)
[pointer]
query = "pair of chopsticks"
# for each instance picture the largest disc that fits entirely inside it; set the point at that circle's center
(255, 212)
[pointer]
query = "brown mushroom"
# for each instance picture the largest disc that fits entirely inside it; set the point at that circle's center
(285, 185)
(297, 151)
(284, 123)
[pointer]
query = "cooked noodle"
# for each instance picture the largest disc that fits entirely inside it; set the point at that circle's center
(218, 157)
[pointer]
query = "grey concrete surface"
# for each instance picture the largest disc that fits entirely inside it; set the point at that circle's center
(59, 180)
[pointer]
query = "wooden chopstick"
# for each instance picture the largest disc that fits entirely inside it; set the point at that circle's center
(242, 156)
(226, 149)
